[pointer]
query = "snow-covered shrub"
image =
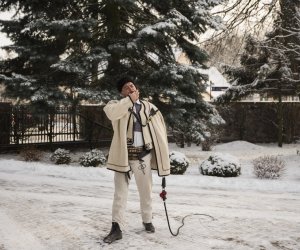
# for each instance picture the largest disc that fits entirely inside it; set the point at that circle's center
(93, 158)
(179, 163)
(222, 165)
(31, 153)
(61, 156)
(268, 167)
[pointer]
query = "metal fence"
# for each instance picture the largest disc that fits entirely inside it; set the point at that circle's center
(23, 125)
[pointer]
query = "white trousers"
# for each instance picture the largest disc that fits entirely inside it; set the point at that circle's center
(143, 178)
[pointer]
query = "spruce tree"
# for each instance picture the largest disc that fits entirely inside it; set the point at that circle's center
(69, 51)
(44, 37)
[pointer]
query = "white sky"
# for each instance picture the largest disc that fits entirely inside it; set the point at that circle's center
(4, 40)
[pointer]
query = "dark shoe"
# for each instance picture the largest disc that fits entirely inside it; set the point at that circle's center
(115, 234)
(149, 227)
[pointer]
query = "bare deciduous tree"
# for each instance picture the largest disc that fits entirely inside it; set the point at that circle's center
(241, 18)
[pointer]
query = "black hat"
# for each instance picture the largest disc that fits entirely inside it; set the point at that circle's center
(123, 81)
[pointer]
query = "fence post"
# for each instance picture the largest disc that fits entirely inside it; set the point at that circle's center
(5, 123)
(73, 112)
(51, 125)
(22, 124)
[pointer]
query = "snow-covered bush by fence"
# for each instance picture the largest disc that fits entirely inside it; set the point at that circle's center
(222, 165)
(179, 162)
(93, 158)
(268, 167)
(61, 156)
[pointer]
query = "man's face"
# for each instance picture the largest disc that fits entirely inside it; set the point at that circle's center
(128, 88)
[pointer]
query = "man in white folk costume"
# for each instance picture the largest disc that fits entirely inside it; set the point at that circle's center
(139, 145)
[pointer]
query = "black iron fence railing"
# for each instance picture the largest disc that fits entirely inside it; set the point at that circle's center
(21, 125)
(58, 124)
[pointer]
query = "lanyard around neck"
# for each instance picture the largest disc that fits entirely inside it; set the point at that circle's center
(138, 118)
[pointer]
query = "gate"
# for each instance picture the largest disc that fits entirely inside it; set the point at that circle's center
(24, 125)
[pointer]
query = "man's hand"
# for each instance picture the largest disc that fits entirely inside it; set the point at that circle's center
(134, 96)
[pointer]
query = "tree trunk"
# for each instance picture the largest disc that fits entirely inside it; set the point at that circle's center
(94, 65)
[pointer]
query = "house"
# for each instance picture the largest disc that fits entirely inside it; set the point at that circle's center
(267, 98)
(2, 99)
(216, 84)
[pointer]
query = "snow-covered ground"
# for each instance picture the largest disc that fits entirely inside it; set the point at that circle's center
(44, 206)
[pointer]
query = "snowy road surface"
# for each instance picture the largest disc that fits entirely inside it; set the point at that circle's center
(43, 206)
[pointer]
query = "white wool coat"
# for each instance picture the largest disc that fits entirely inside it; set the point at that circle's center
(154, 135)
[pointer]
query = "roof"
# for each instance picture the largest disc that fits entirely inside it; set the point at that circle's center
(215, 77)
